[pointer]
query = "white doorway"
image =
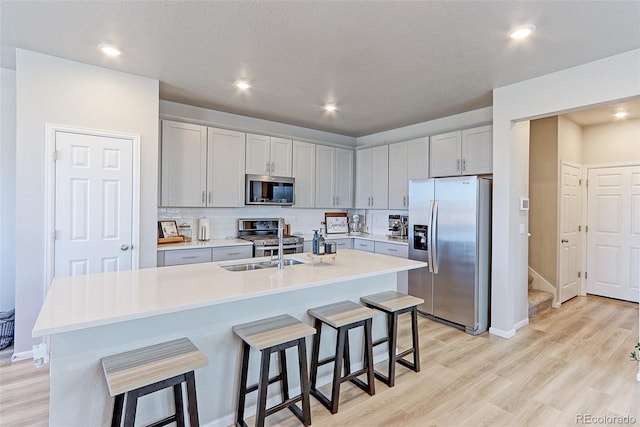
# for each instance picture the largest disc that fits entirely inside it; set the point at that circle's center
(613, 234)
(94, 201)
(569, 263)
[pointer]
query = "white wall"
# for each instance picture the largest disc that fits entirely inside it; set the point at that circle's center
(591, 84)
(58, 91)
(612, 142)
(8, 185)
(569, 141)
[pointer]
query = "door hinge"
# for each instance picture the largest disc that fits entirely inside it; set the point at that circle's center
(585, 274)
(580, 182)
(586, 183)
(55, 155)
(579, 274)
(586, 228)
(579, 228)
(55, 235)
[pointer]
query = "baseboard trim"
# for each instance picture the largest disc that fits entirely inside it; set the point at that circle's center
(23, 355)
(502, 334)
(520, 324)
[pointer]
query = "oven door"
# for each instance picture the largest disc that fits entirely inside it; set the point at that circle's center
(260, 251)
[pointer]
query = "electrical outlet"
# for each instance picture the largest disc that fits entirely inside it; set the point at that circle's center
(40, 355)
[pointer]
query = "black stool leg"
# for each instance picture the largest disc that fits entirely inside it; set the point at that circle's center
(337, 370)
(414, 338)
(284, 378)
(304, 382)
(131, 407)
(242, 389)
(347, 354)
(177, 399)
(315, 354)
(368, 343)
(263, 384)
(116, 418)
(393, 339)
(192, 399)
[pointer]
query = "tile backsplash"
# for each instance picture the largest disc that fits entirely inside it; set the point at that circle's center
(223, 222)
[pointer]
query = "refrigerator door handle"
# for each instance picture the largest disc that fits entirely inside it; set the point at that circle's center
(429, 239)
(433, 235)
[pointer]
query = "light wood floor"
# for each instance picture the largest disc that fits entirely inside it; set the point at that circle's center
(566, 362)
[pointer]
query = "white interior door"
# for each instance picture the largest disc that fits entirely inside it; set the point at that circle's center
(93, 204)
(570, 240)
(613, 237)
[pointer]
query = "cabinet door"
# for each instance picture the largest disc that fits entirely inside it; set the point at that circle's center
(392, 249)
(446, 154)
(363, 179)
(187, 256)
(477, 150)
(258, 154)
(343, 189)
(225, 173)
(183, 164)
(418, 158)
(325, 176)
(281, 157)
(304, 172)
(398, 184)
(380, 177)
(225, 253)
(363, 245)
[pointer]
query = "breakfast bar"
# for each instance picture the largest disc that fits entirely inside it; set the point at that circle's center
(90, 317)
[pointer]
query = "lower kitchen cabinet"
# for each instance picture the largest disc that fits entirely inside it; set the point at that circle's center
(232, 252)
(184, 256)
(392, 249)
(342, 243)
(363, 245)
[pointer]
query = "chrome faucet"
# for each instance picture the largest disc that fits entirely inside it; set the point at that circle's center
(280, 238)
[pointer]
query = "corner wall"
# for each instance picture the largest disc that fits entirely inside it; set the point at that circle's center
(58, 91)
(591, 84)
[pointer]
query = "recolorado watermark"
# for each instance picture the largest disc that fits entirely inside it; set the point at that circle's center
(605, 419)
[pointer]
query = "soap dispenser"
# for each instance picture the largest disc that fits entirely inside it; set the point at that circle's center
(315, 242)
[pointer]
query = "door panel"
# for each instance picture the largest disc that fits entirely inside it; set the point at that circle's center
(570, 240)
(93, 204)
(613, 238)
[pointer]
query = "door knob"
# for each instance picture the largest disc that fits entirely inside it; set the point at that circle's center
(124, 247)
(564, 241)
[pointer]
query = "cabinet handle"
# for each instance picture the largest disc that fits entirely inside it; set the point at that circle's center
(233, 253)
(337, 200)
(189, 257)
(464, 165)
(268, 168)
(392, 250)
(458, 165)
(404, 200)
(203, 196)
(210, 194)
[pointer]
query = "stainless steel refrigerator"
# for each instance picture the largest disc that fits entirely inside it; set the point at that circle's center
(450, 229)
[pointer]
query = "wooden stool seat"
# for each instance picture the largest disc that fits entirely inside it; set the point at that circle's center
(136, 373)
(393, 304)
(342, 316)
(268, 336)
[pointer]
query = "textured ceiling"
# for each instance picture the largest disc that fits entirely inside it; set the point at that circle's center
(387, 64)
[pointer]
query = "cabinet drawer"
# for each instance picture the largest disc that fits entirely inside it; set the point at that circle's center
(363, 245)
(343, 243)
(232, 252)
(392, 249)
(187, 256)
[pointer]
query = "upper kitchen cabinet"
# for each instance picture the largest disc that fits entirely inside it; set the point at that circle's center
(268, 155)
(407, 160)
(226, 168)
(201, 167)
(183, 164)
(304, 172)
(334, 177)
(372, 178)
(467, 152)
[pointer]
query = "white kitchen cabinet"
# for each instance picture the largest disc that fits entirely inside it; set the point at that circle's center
(225, 170)
(392, 249)
(201, 167)
(304, 172)
(342, 243)
(372, 178)
(225, 253)
(185, 256)
(183, 164)
(334, 177)
(269, 155)
(364, 245)
(467, 152)
(407, 160)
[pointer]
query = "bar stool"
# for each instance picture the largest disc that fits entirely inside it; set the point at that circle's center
(136, 373)
(393, 304)
(271, 335)
(342, 316)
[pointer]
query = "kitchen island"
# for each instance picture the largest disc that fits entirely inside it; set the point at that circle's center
(90, 317)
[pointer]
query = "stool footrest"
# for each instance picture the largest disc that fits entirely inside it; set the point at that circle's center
(353, 375)
(380, 341)
(271, 381)
(164, 421)
(286, 404)
(399, 356)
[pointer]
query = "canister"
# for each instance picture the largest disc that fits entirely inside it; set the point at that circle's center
(330, 247)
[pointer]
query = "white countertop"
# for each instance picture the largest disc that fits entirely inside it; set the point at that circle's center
(81, 302)
(207, 244)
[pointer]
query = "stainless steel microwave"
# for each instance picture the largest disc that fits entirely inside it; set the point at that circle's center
(269, 190)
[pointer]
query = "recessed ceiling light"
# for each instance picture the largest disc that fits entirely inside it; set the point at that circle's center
(330, 107)
(241, 84)
(110, 50)
(522, 31)
(621, 114)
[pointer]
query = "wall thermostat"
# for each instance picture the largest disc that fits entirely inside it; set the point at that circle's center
(524, 203)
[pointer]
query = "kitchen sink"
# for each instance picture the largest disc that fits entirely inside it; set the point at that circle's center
(260, 265)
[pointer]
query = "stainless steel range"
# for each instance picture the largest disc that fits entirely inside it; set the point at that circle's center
(263, 232)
